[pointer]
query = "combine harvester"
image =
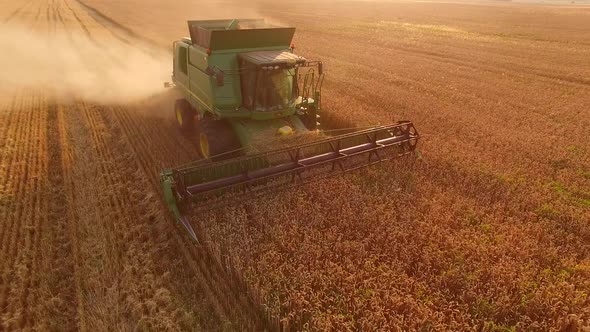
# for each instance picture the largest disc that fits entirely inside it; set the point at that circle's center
(244, 90)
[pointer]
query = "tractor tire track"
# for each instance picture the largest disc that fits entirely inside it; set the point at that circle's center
(37, 15)
(62, 22)
(81, 23)
(15, 13)
(51, 18)
(118, 30)
(58, 17)
(54, 18)
(48, 18)
(112, 27)
(40, 21)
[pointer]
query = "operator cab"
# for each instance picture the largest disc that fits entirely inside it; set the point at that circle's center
(269, 79)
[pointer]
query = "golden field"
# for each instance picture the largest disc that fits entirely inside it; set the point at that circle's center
(487, 230)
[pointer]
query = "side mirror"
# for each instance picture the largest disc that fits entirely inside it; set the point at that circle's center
(320, 68)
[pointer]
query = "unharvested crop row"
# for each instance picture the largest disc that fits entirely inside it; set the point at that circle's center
(336, 265)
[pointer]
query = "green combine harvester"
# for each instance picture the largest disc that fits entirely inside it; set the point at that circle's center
(244, 92)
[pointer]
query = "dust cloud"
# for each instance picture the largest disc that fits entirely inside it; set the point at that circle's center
(70, 65)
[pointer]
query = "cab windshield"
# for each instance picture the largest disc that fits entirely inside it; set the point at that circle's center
(267, 89)
(274, 90)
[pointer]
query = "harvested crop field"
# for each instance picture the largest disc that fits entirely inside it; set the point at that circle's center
(487, 229)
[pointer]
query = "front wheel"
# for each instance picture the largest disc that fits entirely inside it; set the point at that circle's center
(185, 117)
(217, 140)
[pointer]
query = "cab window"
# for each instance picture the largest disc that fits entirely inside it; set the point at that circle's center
(182, 60)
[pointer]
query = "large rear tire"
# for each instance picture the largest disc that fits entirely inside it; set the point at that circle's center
(185, 117)
(217, 140)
